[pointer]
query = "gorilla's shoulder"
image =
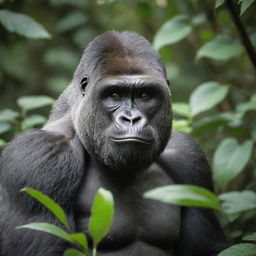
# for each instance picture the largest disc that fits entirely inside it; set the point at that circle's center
(185, 162)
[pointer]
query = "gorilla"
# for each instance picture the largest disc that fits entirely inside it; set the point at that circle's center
(110, 128)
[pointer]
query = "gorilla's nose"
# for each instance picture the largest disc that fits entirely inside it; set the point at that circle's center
(131, 117)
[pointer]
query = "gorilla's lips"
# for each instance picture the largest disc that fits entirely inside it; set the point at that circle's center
(136, 139)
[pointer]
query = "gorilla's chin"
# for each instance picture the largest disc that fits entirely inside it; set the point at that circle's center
(127, 156)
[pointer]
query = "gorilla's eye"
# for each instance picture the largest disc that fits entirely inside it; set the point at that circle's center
(115, 96)
(144, 96)
(84, 83)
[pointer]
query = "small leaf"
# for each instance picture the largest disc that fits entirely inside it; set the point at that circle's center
(49, 204)
(182, 125)
(206, 96)
(181, 108)
(32, 121)
(2, 143)
(220, 48)
(251, 237)
(33, 102)
(4, 127)
(48, 228)
(240, 250)
(235, 202)
(71, 21)
(8, 115)
(247, 106)
(185, 195)
(173, 31)
(73, 252)
(80, 239)
(229, 160)
(22, 25)
(245, 4)
(101, 215)
(218, 3)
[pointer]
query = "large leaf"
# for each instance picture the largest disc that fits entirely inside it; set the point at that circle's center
(32, 121)
(220, 48)
(251, 237)
(22, 25)
(80, 239)
(48, 228)
(5, 127)
(235, 202)
(101, 215)
(229, 160)
(73, 252)
(240, 250)
(8, 115)
(181, 108)
(245, 4)
(33, 102)
(185, 195)
(206, 96)
(49, 204)
(172, 31)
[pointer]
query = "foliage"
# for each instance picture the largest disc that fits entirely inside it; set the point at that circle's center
(100, 221)
(209, 50)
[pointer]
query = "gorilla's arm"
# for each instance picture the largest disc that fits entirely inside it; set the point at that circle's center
(201, 234)
(50, 162)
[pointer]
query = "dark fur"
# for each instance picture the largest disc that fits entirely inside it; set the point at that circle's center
(58, 160)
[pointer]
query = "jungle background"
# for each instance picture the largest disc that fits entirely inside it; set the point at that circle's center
(208, 48)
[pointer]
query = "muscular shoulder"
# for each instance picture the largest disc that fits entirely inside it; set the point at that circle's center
(185, 162)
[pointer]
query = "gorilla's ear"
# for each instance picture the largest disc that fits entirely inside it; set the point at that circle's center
(83, 84)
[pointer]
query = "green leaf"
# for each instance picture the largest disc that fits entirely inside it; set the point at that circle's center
(218, 3)
(247, 106)
(33, 102)
(251, 237)
(32, 121)
(73, 252)
(199, 19)
(240, 250)
(182, 125)
(181, 108)
(8, 115)
(229, 160)
(185, 195)
(220, 48)
(235, 202)
(80, 239)
(173, 31)
(4, 127)
(2, 143)
(49, 204)
(245, 4)
(206, 96)
(101, 215)
(48, 228)
(22, 25)
(71, 21)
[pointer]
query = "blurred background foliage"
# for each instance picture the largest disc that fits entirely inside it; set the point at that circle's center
(209, 51)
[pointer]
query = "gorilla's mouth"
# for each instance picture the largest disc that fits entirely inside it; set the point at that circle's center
(132, 139)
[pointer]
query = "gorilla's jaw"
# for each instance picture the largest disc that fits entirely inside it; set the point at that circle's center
(122, 156)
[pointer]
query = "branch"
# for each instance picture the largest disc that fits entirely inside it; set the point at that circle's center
(241, 30)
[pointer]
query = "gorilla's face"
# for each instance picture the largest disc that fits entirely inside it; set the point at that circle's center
(124, 121)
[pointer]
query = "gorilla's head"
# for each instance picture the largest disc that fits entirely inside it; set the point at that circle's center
(122, 113)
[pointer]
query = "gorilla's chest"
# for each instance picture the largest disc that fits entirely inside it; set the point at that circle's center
(136, 218)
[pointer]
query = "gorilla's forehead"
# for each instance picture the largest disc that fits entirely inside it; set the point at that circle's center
(136, 81)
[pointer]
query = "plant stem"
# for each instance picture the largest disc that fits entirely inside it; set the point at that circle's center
(94, 251)
(242, 31)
